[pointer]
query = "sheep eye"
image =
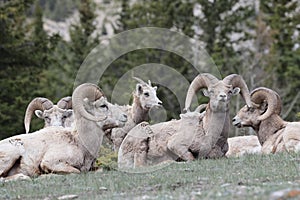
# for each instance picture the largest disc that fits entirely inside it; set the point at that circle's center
(103, 106)
(147, 94)
(47, 119)
(251, 109)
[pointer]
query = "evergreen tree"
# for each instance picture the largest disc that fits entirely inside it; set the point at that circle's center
(19, 65)
(223, 26)
(284, 61)
(83, 40)
(170, 14)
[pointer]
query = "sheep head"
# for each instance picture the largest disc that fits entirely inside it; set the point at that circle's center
(66, 103)
(265, 103)
(219, 91)
(44, 109)
(90, 103)
(146, 94)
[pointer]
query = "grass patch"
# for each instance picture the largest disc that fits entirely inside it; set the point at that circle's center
(250, 177)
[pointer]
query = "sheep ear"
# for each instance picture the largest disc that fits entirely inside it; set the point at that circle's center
(205, 92)
(39, 113)
(139, 89)
(69, 113)
(236, 91)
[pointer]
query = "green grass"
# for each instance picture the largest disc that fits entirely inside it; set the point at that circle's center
(250, 177)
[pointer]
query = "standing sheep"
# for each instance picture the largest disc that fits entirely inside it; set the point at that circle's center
(63, 150)
(53, 115)
(144, 98)
(274, 134)
(187, 138)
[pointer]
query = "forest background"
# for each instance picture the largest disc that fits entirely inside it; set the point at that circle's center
(259, 40)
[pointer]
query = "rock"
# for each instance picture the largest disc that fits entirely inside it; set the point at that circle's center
(102, 188)
(68, 196)
(285, 194)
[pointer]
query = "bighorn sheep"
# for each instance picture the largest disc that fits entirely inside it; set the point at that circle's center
(53, 115)
(237, 146)
(144, 98)
(187, 138)
(243, 145)
(63, 150)
(274, 133)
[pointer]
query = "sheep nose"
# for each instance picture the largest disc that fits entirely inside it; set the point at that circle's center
(234, 119)
(125, 116)
(159, 103)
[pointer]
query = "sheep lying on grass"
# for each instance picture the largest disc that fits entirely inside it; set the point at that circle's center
(187, 138)
(243, 145)
(144, 98)
(237, 146)
(53, 115)
(274, 134)
(56, 149)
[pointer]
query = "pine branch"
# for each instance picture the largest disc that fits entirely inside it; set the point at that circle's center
(291, 106)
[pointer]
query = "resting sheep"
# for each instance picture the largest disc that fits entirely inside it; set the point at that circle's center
(144, 98)
(63, 150)
(187, 138)
(53, 115)
(237, 146)
(274, 134)
(243, 145)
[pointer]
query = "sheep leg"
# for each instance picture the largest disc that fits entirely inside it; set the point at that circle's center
(59, 167)
(7, 162)
(17, 177)
(117, 137)
(139, 159)
(181, 150)
(219, 150)
(140, 156)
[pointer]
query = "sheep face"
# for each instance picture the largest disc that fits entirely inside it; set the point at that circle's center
(147, 96)
(220, 95)
(56, 116)
(248, 116)
(115, 117)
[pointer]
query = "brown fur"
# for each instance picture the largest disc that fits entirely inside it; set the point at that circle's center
(137, 112)
(274, 134)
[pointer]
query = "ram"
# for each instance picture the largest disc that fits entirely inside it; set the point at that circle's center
(53, 115)
(190, 137)
(63, 150)
(274, 134)
(144, 98)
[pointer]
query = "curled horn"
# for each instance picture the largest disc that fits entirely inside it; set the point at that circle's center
(38, 103)
(237, 81)
(261, 94)
(65, 103)
(140, 80)
(201, 81)
(90, 91)
(201, 107)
